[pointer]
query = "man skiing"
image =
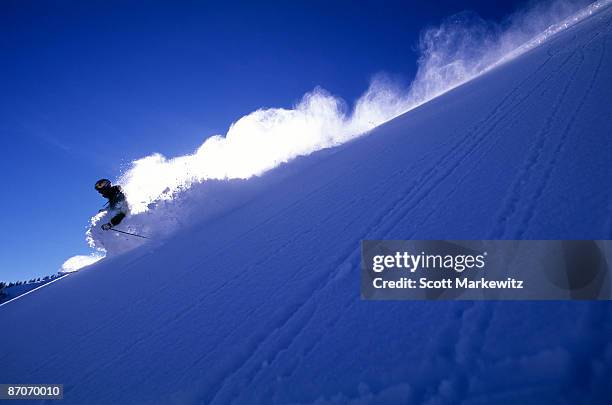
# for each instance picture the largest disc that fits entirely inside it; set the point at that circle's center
(117, 205)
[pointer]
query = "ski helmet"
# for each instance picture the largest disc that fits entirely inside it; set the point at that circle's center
(102, 184)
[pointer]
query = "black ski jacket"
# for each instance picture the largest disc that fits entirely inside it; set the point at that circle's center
(115, 199)
(114, 196)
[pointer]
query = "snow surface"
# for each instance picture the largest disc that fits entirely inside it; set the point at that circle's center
(257, 301)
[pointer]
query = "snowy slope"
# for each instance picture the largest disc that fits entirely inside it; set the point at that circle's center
(9, 293)
(260, 303)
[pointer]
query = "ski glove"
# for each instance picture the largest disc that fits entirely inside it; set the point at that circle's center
(107, 226)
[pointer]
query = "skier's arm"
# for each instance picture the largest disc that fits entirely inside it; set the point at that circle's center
(116, 220)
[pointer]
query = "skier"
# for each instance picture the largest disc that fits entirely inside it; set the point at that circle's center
(117, 205)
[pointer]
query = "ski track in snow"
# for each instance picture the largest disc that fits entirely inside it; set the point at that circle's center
(534, 154)
(266, 307)
(482, 135)
(549, 167)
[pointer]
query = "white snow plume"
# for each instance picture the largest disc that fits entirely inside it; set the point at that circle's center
(253, 144)
(461, 48)
(465, 46)
(78, 262)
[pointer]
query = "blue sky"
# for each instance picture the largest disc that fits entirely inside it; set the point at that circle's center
(89, 86)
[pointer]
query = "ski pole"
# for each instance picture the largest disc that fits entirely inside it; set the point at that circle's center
(103, 207)
(129, 233)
